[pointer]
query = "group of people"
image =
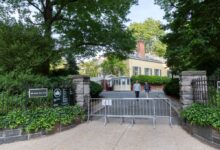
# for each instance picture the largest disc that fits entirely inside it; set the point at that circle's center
(137, 89)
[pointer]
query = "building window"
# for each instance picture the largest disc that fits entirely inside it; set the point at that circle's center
(157, 72)
(128, 81)
(136, 71)
(148, 71)
(116, 82)
(169, 73)
(123, 81)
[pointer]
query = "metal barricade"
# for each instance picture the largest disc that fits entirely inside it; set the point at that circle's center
(133, 108)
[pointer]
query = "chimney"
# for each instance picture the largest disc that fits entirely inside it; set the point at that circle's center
(141, 49)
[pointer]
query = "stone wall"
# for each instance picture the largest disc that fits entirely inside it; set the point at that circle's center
(204, 133)
(82, 90)
(13, 135)
(186, 89)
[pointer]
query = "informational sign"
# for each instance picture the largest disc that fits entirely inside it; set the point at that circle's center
(218, 86)
(37, 92)
(57, 96)
(65, 98)
(106, 102)
(62, 96)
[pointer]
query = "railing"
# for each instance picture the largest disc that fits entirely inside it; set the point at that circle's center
(133, 108)
(205, 91)
(200, 90)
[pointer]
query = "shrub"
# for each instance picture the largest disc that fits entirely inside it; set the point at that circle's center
(95, 89)
(156, 80)
(17, 82)
(14, 86)
(172, 88)
(202, 115)
(41, 118)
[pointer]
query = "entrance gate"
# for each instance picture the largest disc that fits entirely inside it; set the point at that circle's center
(133, 108)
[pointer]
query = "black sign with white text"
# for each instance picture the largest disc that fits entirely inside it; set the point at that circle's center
(62, 96)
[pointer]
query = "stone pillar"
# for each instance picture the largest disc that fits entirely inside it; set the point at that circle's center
(82, 90)
(186, 89)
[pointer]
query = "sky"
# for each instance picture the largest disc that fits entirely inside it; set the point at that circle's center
(145, 9)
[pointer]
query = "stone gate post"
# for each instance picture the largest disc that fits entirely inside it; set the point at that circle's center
(81, 89)
(186, 89)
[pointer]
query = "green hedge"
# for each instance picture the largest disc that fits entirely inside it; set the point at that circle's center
(156, 80)
(18, 82)
(95, 89)
(41, 118)
(172, 88)
(202, 115)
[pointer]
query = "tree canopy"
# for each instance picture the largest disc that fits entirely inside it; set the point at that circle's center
(23, 48)
(80, 27)
(193, 41)
(151, 32)
(90, 68)
(115, 66)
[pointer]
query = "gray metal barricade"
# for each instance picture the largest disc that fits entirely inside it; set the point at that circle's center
(133, 108)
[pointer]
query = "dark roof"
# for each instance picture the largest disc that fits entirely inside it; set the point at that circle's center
(148, 58)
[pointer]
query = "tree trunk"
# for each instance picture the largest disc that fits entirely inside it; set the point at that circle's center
(45, 68)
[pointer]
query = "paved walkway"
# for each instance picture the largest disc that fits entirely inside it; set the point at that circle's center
(95, 136)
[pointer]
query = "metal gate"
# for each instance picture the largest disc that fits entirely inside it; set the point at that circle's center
(132, 108)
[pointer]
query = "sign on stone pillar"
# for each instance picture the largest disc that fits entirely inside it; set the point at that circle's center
(82, 90)
(186, 89)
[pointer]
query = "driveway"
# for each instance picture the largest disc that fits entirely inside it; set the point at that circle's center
(114, 136)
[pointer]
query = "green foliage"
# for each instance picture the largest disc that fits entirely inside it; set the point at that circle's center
(172, 88)
(157, 80)
(16, 82)
(150, 31)
(202, 115)
(193, 41)
(99, 26)
(214, 96)
(90, 68)
(14, 87)
(115, 66)
(95, 89)
(41, 118)
(10, 102)
(23, 48)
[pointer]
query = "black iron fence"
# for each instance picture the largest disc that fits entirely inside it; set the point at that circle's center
(205, 90)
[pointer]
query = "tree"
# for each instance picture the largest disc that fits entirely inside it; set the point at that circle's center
(84, 27)
(194, 41)
(90, 68)
(151, 32)
(114, 65)
(22, 48)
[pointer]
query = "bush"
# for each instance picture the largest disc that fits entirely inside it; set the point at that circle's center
(17, 82)
(172, 88)
(41, 118)
(213, 96)
(95, 89)
(202, 115)
(156, 80)
(14, 86)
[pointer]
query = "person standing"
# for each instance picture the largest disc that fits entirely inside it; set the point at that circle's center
(147, 89)
(137, 89)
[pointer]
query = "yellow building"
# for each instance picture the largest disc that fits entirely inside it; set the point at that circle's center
(141, 63)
